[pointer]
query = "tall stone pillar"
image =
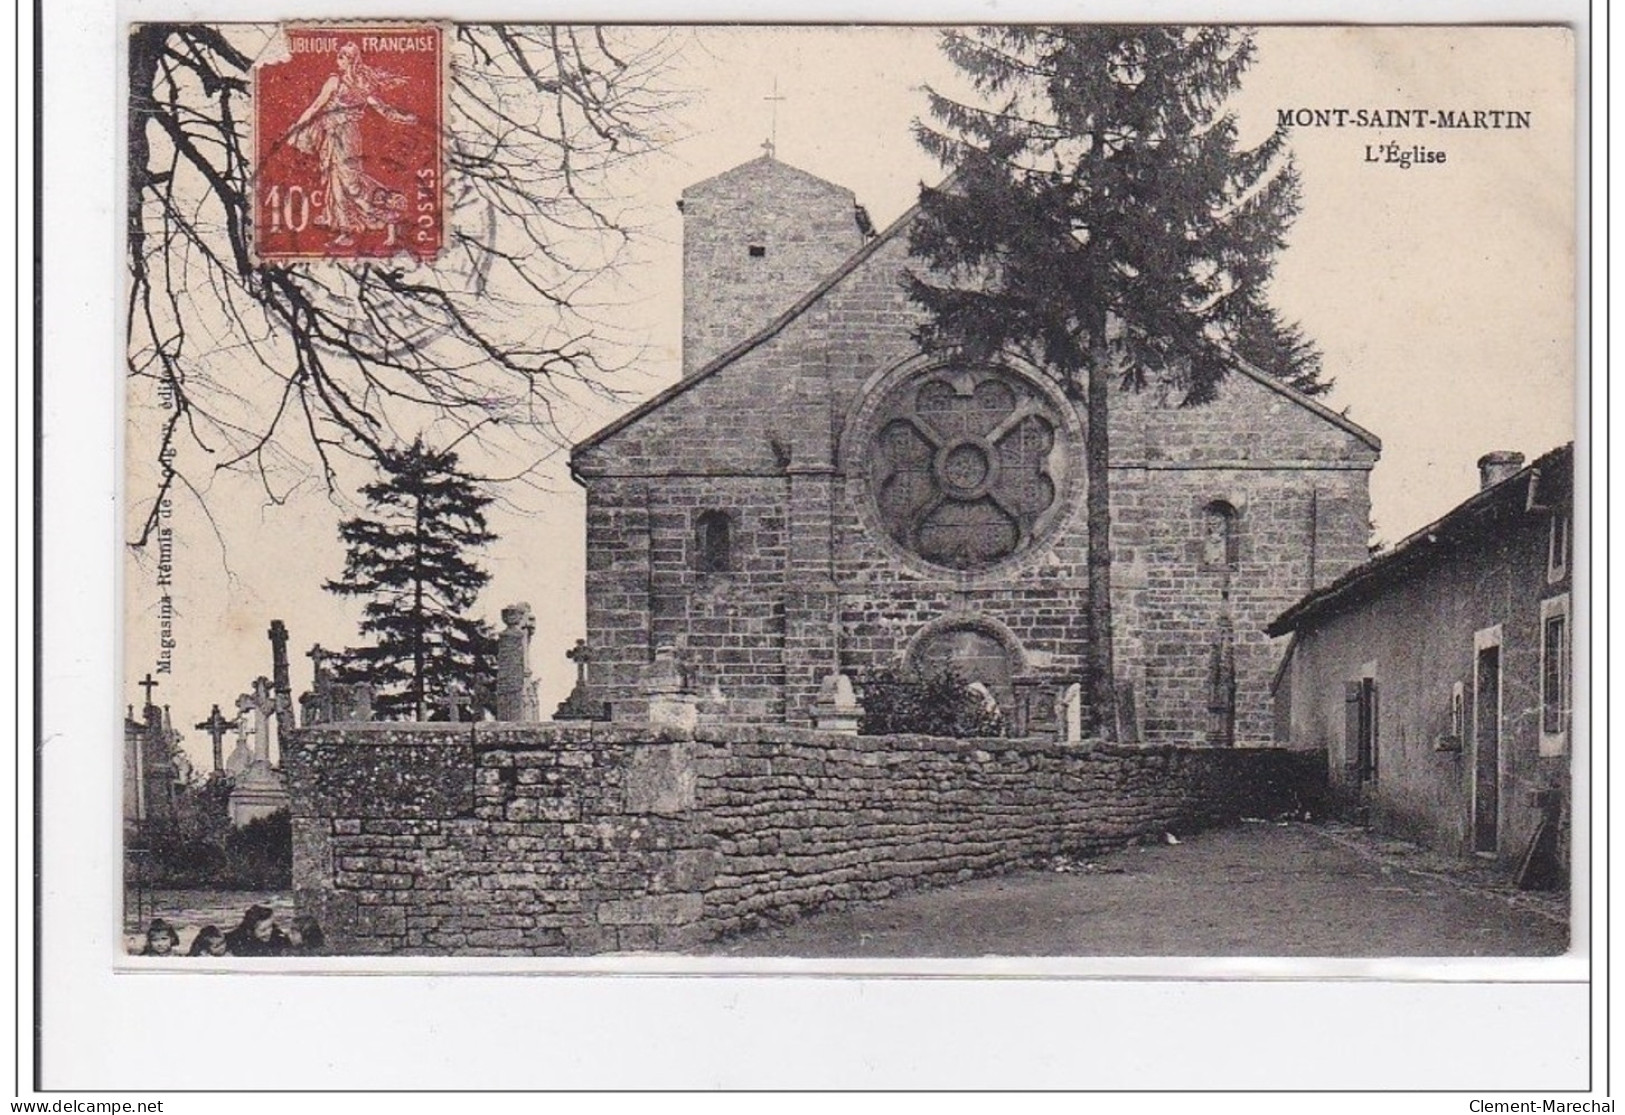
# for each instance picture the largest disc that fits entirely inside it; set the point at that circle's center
(1221, 685)
(516, 689)
(811, 602)
(280, 682)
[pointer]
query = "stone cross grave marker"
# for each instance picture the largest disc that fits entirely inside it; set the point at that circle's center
(216, 726)
(265, 715)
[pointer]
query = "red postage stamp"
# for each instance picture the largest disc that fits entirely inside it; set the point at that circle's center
(347, 144)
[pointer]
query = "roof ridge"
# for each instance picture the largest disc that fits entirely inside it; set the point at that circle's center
(1292, 394)
(806, 301)
(1409, 546)
(770, 160)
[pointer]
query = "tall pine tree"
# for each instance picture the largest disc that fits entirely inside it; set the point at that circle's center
(409, 558)
(1104, 221)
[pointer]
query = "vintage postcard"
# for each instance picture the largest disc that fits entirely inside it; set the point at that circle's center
(853, 494)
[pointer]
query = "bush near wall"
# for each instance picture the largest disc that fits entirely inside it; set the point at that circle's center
(933, 703)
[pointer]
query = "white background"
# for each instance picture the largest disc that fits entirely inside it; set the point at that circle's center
(1425, 1029)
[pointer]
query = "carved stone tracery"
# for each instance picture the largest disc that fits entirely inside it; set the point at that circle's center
(967, 466)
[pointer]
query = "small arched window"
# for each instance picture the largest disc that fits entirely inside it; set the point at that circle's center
(1221, 547)
(713, 552)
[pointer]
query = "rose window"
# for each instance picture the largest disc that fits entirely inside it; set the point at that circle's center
(968, 467)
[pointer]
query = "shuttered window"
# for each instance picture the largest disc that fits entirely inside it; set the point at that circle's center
(1360, 728)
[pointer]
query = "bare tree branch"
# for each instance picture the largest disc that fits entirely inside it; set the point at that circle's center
(279, 370)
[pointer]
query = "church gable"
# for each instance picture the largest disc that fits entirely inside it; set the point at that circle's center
(756, 239)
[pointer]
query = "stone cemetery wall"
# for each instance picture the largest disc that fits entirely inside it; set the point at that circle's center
(547, 839)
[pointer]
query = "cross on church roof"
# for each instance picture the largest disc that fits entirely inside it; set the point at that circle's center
(149, 685)
(773, 125)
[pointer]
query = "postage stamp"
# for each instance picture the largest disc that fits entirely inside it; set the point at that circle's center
(348, 160)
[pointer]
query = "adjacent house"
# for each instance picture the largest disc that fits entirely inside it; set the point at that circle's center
(1438, 675)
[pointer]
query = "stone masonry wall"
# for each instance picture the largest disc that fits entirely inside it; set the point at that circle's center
(549, 839)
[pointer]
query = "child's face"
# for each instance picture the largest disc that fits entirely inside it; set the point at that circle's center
(217, 946)
(264, 929)
(160, 943)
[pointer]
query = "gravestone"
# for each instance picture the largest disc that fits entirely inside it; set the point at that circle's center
(242, 754)
(672, 701)
(259, 789)
(455, 703)
(1035, 708)
(837, 708)
(516, 689)
(579, 705)
(1070, 713)
(216, 726)
(316, 706)
(329, 700)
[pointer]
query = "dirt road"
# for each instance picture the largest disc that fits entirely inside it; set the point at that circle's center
(1253, 890)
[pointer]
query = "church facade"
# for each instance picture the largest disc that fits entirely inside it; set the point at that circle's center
(816, 495)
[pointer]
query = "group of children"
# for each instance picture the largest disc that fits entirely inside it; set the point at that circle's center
(257, 935)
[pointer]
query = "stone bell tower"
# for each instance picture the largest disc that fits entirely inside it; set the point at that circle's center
(755, 239)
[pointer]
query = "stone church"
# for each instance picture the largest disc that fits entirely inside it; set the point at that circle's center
(816, 495)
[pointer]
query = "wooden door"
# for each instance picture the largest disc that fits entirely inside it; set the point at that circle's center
(1487, 750)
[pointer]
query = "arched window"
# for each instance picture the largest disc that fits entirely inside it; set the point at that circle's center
(1221, 548)
(713, 551)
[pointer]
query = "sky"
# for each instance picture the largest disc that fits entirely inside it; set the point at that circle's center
(1442, 295)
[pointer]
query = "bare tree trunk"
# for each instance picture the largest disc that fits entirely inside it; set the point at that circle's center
(1100, 686)
(417, 611)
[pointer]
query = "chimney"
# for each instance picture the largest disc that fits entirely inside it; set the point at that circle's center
(1496, 467)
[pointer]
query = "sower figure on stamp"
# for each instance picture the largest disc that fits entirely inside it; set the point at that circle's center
(330, 129)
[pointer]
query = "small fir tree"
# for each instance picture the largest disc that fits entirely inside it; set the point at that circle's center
(409, 559)
(1103, 220)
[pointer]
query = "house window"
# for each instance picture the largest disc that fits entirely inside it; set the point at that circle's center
(1555, 675)
(713, 552)
(1557, 549)
(1220, 544)
(758, 251)
(1458, 712)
